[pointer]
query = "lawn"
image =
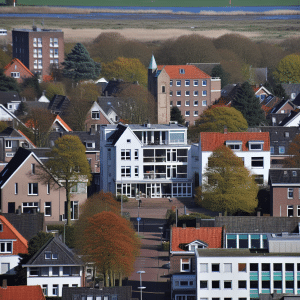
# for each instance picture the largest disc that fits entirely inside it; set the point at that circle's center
(160, 3)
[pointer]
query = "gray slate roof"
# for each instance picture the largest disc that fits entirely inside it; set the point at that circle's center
(6, 97)
(36, 104)
(28, 225)
(205, 67)
(284, 176)
(291, 88)
(59, 104)
(110, 102)
(10, 132)
(66, 256)
(254, 224)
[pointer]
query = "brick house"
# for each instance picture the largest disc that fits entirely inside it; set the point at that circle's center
(17, 70)
(285, 192)
(11, 244)
(183, 86)
(38, 49)
(184, 243)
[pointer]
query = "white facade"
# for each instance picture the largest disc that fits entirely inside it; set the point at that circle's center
(8, 263)
(236, 274)
(53, 278)
(146, 160)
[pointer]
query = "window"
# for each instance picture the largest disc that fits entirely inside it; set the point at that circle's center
(187, 103)
(178, 103)
(126, 171)
(16, 188)
(298, 210)
(286, 134)
(257, 162)
(125, 154)
(66, 271)
(204, 93)
(204, 103)
(96, 115)
(171, 82)
(136, 154)
(234, 146)
(178, 82)
(242, 284)
(215, 267)
(281, 149)
(136, 171)
(32, 168)
(227, 284)
(54, 256)
(196, 82)
(178, 93)
(34, 42)
(187, 113)
(55, 42)
(1, 227)
(40, 64)
(48, 209)
(203, 284)
(204, 82)
(215, 284)
(44, 271)
(40, 53)
(203, 268)
(74, 210)
(47, 255)
(15, 74)
(45, 289)
(30, 207)
(255, 146)
(196, 103)
(228, 268)
(171, 95)
(55, 271)
(196, 113)
(196, 93)
(129, 141)
(48, 188)
(242, 267)
(163, 89)
(35, 64)
(187, 82)
(290, 193)
(32, 188)
(8, 144)
(51, 53)
(56, 53)
(290, 210)
(185, 265)
(181, 71)
(55, 290)
(187, 93)
(39, 42)
(6, 247)
(272, 149)
(34, 271)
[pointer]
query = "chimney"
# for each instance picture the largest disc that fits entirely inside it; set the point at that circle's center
(4, 283)
(198, 221)
(258, 213)
(225, 129)
(220, 214)
(184, 225)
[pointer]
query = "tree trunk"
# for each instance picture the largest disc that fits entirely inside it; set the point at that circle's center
(120, 279)
(106, 278)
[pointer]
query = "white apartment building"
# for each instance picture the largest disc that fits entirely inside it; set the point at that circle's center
(149, 160)
(252, 147)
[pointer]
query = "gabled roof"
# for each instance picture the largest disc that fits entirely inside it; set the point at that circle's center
(291, 88)
(284, 176)
(17, 61)
(190, 72)
(10, 96)
(27, 139)
(104, 114)
(62, 123)
(59, 104)
(212, 236)
(43, 98)
(10, 114)
(260, 88)
(24, 292)
(10, 132)
(117, 134)
(66, 256)
(278, 107)
(210, 141)
(13, 232)
(291, 117)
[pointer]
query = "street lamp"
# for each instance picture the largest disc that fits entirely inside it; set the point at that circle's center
(141, 287)
(161, 233)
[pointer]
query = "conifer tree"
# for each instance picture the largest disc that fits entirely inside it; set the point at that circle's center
(78, 65)
(248, 104)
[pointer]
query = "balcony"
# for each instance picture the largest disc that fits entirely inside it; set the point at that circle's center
(289, 275)
(265, 275)
(254, 293)
(277, 275)
(253, 275)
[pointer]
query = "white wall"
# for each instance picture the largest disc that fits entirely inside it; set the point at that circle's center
(13, 261)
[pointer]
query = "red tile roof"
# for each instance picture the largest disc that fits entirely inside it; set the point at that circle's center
(210, 141)
(16, 60)
(27, 138)
(209, 235)
(22, 292)
(62, 122)
(191, 72)
(10, 232)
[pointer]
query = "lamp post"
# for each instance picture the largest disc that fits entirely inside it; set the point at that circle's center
(141, 287)
(161, 233)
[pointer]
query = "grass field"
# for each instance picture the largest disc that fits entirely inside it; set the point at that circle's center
(160, 3)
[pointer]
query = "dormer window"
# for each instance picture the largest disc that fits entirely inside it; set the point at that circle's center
(181, 71)
(234, 145)
(256, 145)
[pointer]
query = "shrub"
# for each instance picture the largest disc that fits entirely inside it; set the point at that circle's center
(124, 198)
(198, 196)
(69, 231)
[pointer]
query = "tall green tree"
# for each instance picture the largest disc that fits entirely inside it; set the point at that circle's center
(8, 83)
(228, 186)
(288, 69)
(248, 104)
(78, 65)
(68, 164)
(176, 115)
(218, 71)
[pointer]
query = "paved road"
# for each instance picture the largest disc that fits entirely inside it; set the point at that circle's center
(152, 259)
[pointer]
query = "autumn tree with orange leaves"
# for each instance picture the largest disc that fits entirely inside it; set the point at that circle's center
(106, 238)
(293, 159)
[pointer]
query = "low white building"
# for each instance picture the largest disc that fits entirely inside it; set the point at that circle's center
(150, 160)
(252, 147)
